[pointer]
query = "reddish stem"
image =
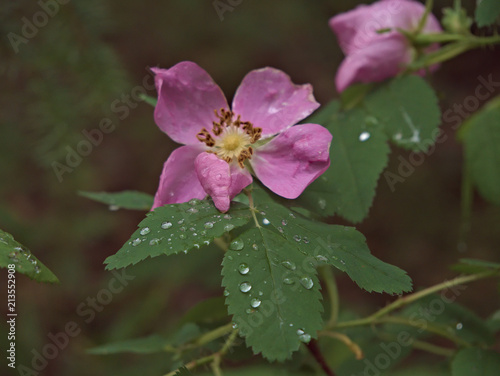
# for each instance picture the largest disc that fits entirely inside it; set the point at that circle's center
(315, 351)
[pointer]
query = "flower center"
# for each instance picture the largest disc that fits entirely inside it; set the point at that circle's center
(233, 137)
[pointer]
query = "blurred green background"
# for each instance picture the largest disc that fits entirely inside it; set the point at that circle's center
(81, 66)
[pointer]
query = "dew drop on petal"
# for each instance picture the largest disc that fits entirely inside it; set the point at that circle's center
(166, 225)
(255, 302)
(245, 287)
(243, 268)
(307, 282)
(145, 231)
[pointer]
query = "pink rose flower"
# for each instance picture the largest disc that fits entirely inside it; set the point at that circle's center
(374, 49)
(224, 147)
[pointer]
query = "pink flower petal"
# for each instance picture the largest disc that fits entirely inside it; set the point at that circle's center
(187, 98)
(293, 160)
(357, 28)
(270, 100)
(178, 181)
(221, 180)
(385, 57)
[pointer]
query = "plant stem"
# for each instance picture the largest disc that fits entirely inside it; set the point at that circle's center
(465, 207)
(413, 297)
(354, 347)
(252, 207)
(433, 349)
(333, 293)
(214, 334)
(316, 353)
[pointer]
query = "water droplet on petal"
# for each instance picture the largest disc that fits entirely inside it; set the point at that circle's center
(243, 268)
(145, 231)
(265, 221)
(166, 225)
(289, 265)
(307, 282)
(364, 136)
(245, 287)
(255, 302)
(237, 245)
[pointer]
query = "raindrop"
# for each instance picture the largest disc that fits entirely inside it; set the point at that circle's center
(307, 282)
(181, 221)
(209, 225)
(145, 231)
(265, 221)
(342, 262)
(37, 269)
(280, 229)
(292, 215)
(245, 287)
(155, 241)
(261, 293)
(255, 247)
(284, 222)
(136, 241)
(304, 337)
(166, 225)
(113, 207)
(305, 240)
(237, 245)
(288, 281)
(321, 258)
(192, 210)
(255, 302)
(243, 268)
(227, 216)
(226, 293)
(297, 238)
(364, 136)
(194, 201)
(322, 203)
(182, 236)
(228, 227)
(235, 326)
(197, 246)
(249, 310)
(289, 265)
(459, 326)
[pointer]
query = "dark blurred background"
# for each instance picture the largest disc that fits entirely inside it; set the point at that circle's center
(85, 64)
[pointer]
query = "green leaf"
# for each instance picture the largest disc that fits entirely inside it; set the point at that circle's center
(407, 109)
(481, 137)
(148, 345)
(14, 253)
(474, 361)
(473, 266)
(121, 200)
(175, 228)
(487, 12)
(183, 371)
(207, 311)
(340, 246)
(272, 292)
(358, 155)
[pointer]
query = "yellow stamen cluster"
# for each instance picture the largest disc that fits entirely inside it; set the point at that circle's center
(232, 137)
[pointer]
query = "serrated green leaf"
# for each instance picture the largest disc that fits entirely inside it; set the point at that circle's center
(407, 109)
(473, 266)
(487, 12)
(175, 228)
(358, 154)
(132, 200)
(273, 293)
(207, 311)
(148, 345)
(474, 361)
(340, 246)
(481, 137)
(14, 253)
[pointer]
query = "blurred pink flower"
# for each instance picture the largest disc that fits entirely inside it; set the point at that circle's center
(374, 49)
(222, 147)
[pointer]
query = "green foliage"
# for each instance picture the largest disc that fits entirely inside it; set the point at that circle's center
(473, 266)
(12, 252)
(175, 228)
(487, 12)
(340, 246)
(183, 371)
(407, 109)
(152, 344)
(272, 292)
(481, 137)
(474, 361)
(133, 200)
(358, 156)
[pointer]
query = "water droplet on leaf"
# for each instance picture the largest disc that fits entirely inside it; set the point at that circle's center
(228, 227)
(237, 245)
(364, 136)
(209, 225)
(136, 241)
(243, 268)
(289, 265)
(307, 282)
(154, 241)
(255, 302)
(245, 287)
(145, 231)
(166, 225)
(265, 221)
